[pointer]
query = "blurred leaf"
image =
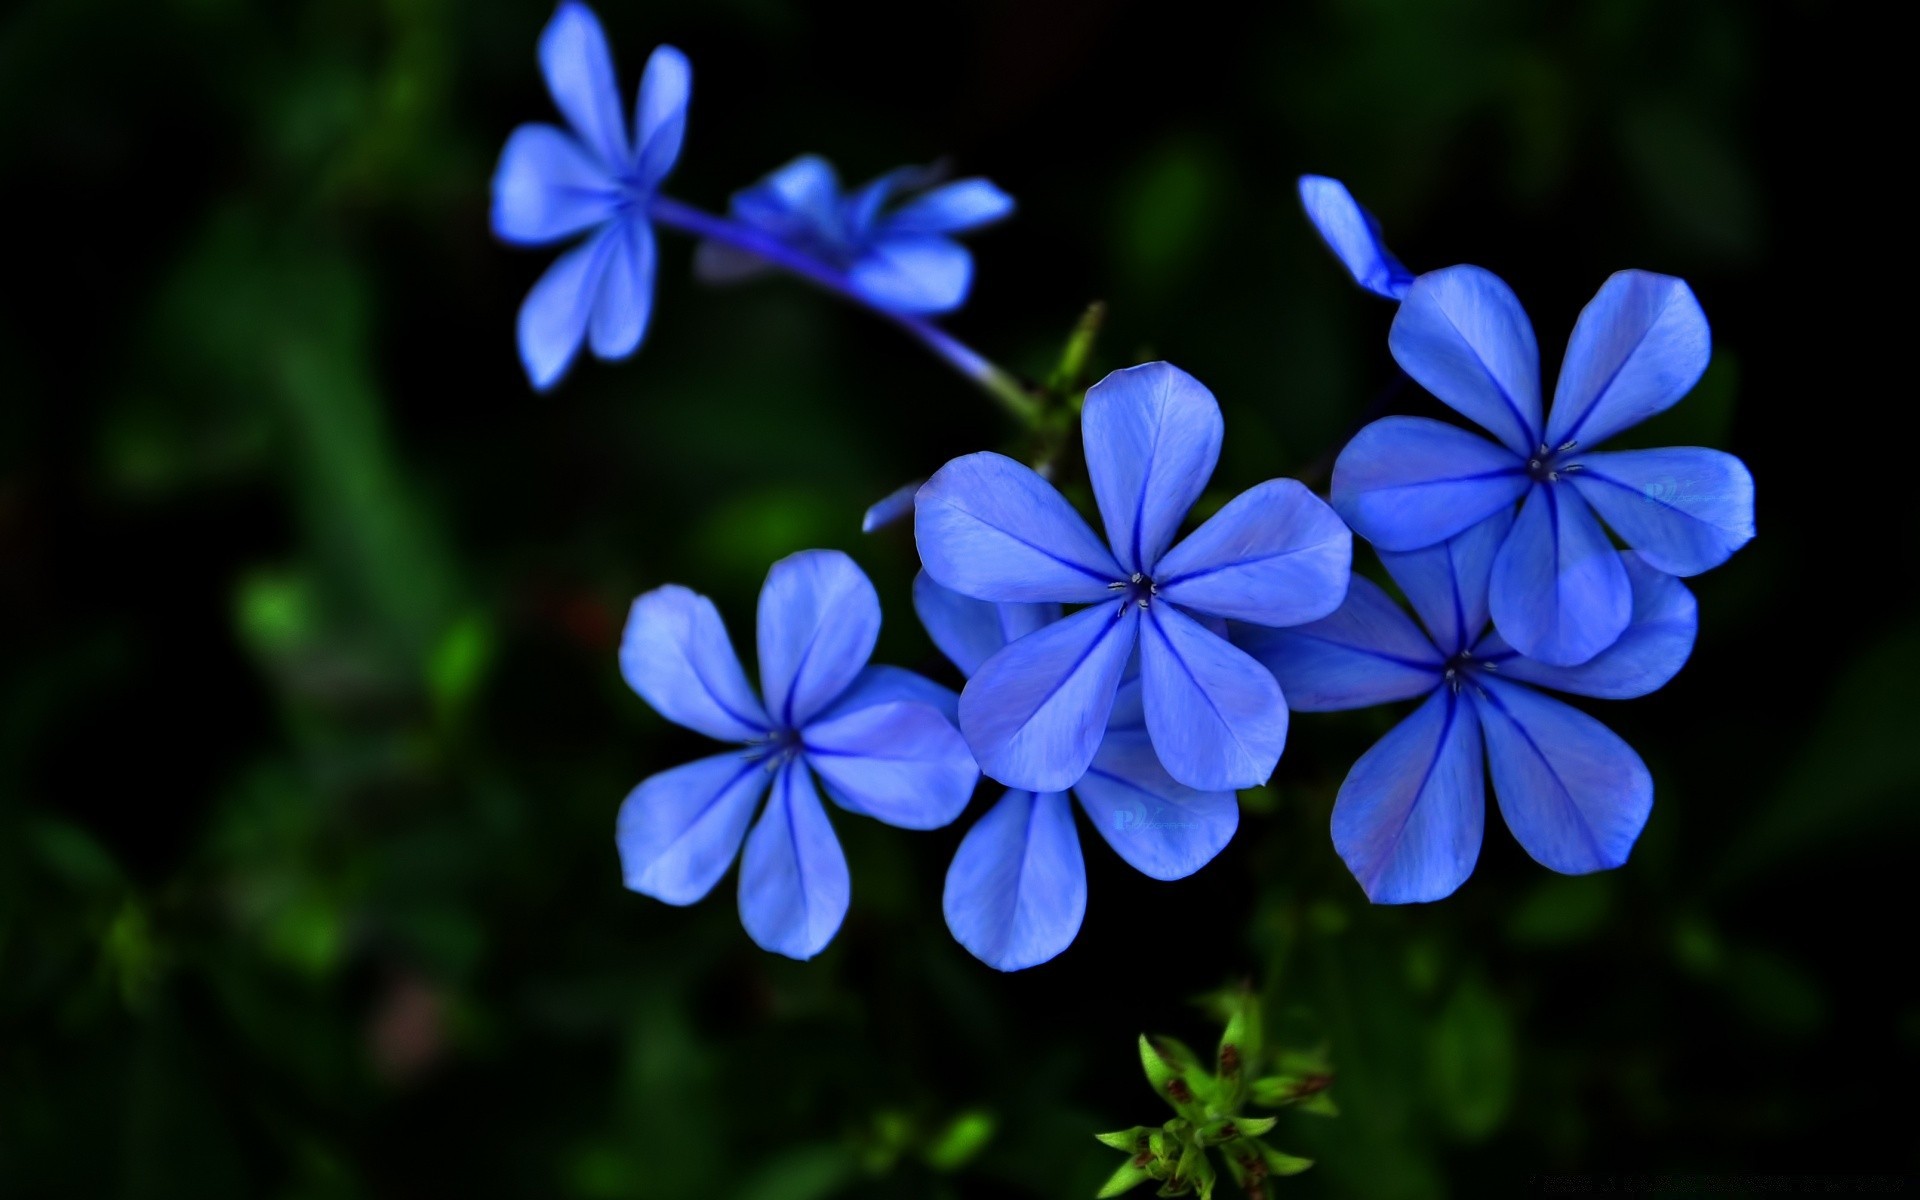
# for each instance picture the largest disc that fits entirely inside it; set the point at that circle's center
(806, 1173)
(963, 1138)
(1561, 909)
(1697, 186)
(1167, 212)
(1470, 1063)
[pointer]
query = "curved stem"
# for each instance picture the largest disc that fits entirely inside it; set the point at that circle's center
(997, 383)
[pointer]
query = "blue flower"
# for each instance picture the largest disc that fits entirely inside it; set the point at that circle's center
(1354, 237)
(878, 737)
(1559, 592)
(1409, 817)
(992, 529)
(553, 184)
(896, 257)
(1017, 889)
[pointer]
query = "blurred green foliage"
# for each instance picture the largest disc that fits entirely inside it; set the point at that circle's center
(311, 735)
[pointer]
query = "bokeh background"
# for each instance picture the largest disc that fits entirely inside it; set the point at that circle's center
(312, 737)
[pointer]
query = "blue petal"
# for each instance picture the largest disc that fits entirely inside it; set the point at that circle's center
(1129, 706)
(803, 194)
(1366, 653)
(676, 654)
(1559, 592)
(1462, 335)
(1651, 651)
(1410, 816)
(1217, 717)
(625, 300)
(901, 763)
(1408, 482)
(1274, 555)
(579, 71)
(1354, 236)
(1641, 343)
(860, 211)
(883, 684)
(890, 507)
(1017, 889)
(913, 273)
(679, 830)
(1163, 828)
(547, 188)
(1152, 437)
(1447, 583)
(1034, 712)
(952, 208)
(819, 619)
(660, 114)
(970, 631)
(1573, 793)
(553, 318)
(1685, 509)
(793, 878)
(990, 528)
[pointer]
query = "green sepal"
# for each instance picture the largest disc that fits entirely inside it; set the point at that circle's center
(1238, 1127)
(1128, 1141)
(1281, 1163)
(1243, 1042)
(1125, 1179)
(1175, 1073)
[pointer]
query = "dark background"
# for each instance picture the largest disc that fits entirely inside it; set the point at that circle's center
(312, 737)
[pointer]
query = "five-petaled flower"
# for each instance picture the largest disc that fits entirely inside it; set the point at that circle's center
(1036, 711)
(1017, 888)
(877, 737)
(552, 185)
(1409, 817)
(898, 257)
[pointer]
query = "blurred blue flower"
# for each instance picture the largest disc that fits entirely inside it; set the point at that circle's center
(553, 184)
(899, 257)
(1559, 594)
(879, 738)
(1354, 237)
(1017, 888)
(992, 529)
(1409, 817)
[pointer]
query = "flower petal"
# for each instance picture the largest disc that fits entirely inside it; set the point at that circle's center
(660, 114)
(1559, 592)
(883, 684)
(793, 877)
(1034, 712)
(1652, 650)
(901, 763)
(1447, 583)
(988, 527)
(952, 208)
(1017, 890)
(1410, 816)
(1640, 344)
(1274, 555)
(676, 654)
(1354, 237)
(1217, 717)
(913, 273)
(547, 188)
(970, 631)
(1163, 828)
(1152, 437)
(819, 619)
(679, 830)
(1685, 509)
(553, 318)
(1573, 793)
(890, 507)
(625, 299)
(1368, 652)
(1407, 482)
(1462, 335)
(802, 196)
(579, 71)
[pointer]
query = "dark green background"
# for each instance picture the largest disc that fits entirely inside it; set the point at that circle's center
(312, 735)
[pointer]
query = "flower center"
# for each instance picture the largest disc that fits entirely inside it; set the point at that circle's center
(774, 750)
(1549, 463)
(1137, 590)
(1461, 669)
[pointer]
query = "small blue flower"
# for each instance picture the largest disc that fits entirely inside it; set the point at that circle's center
(553, 184)
(992, 529)
(1409, 818)
(1354, 237)
(878, 737)
(1017, 889)
(901, 258)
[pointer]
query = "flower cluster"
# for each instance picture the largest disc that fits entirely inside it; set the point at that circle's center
(1145, 671)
